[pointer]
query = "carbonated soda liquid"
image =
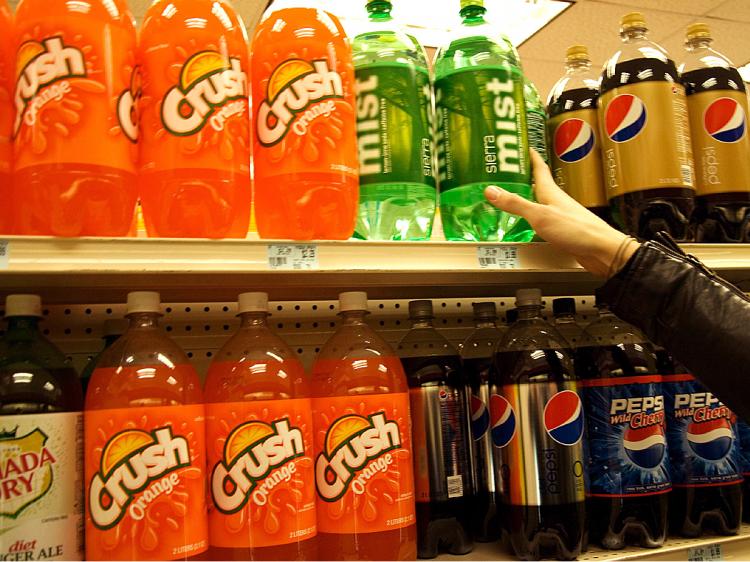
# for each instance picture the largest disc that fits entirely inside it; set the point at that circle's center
(195, 146)
(259, 436)
(536, 119)
(477, 353)
(717, 105)
(41, 441)
(362, 442)
(304, 119)
(573, 131)
(482, 131)
(628, 464)
(7, 68)
(145, 446)
(395, 120)
(75, 128)
(537, 425)
(439, 396)
(642, 113)
(111, 332)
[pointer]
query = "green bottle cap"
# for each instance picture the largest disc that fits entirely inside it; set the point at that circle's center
(467, 3)
(369, 3)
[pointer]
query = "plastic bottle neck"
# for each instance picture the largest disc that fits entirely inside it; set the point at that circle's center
(577, 65)
(698, 43)
(379, 11)
(633, 34)
(479, 324)
(565, 319)
(25, 324)
(473, 15)
(421, 322)
(253, 319)
(143, 320)
(353, 317)
(529, 312)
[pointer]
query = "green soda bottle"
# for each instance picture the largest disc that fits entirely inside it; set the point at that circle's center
(536, 119)
(482, 136)
(398, 192)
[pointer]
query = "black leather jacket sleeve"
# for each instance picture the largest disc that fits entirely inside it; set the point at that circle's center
(702, 320)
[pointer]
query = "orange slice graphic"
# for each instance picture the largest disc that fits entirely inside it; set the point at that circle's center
(342, 429)
(26, 52)
(245, 436)
(285, 73)
(122, 445)
(199, 65)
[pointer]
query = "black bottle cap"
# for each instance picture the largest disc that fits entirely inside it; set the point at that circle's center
(511, 315)
(484, 310)
(421, 309)
(562, 306)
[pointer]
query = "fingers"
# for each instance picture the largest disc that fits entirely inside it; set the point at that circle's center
(510, 202)
(545, 188)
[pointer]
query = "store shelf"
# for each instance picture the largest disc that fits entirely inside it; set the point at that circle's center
(724, 548)
(103, 270)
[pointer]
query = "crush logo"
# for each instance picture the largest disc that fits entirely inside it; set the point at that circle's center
(208, 80)
(574, 140)
(26, 470)
(625, 117)
(43, 65)
(127, 106)
(501, 151)
(135, 461)
(252, 453)
(355, 449)
(292, 95)
(724, 120)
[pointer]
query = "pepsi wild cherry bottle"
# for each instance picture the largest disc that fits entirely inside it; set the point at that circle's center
(717, 105)
(648, 162)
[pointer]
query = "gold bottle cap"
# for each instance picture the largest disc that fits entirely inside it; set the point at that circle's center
(577, 52)
(632, 20)
(696, 30)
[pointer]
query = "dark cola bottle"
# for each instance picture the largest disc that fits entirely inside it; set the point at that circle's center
(537, 431)
(646, 152)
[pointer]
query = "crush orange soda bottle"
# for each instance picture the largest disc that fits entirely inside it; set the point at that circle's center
(7, 67)
(145, 448)
(305, 144)
(195, 147)
(75, 125)
(259, 433)
(363, 453)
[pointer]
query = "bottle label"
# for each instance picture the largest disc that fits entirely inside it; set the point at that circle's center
(261, 478)
(576, 159)
(701, 434)
(743, 432)
(536, 121)
(394, 123)
(63, 98)
(363, 463)
(538, 463)
(721, 146)
(627, 439)
(482, 132)
(479, 369)
(637, 120)
(145, 483)
(41, 500)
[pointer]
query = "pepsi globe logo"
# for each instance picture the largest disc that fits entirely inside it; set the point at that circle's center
(724, 120)
(503, 421)
(710, 440)
(574, 140)
(480, 418)
(645, 446)
(563, 418)
(625, 117)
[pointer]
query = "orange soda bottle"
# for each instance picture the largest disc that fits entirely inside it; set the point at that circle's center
(260, 455)
(145, 447)
(195, 147)
(305, 144)
(363, 453)
(75, 125)
(7, 66)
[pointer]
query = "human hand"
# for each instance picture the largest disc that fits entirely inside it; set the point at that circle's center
(566, 224)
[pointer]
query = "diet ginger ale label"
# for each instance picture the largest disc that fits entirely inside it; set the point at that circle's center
(394, 124)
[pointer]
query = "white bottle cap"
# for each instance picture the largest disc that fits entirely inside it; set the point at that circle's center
(352, 300)
(23, 305)
(253, 302)
(143, 301)
(528, 297)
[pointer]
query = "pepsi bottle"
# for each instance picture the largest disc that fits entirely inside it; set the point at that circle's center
(717, 106)
(743, 432)
(564, 313)
(443, 477)
(647, 158)
(476, 355)
(536, 422)
(628, 464)
(704, 456)
(573, 131)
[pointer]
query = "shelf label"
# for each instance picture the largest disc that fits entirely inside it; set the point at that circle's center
(4, 254)
(705, 552)
(497, 257)
(293, 256)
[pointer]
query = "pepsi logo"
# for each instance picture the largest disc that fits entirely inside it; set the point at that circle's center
(503, 421)
(480, 418)
(710, 440)
(645, 446)
(442, 394)
(625, 117)
(574, 140)
(724, 120)
(563, 418)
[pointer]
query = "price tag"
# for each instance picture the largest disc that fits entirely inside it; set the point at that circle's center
(497, 257)
(4, 254)
(292, 256)
(705, 552)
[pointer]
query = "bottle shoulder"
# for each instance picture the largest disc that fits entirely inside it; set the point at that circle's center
(638, 61)
(381, 44)
(421, 342)
(474, 47)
